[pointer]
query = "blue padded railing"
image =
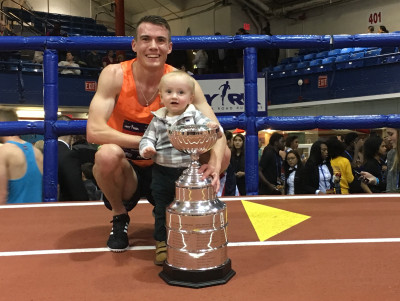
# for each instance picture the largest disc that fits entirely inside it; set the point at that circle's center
(51, 128)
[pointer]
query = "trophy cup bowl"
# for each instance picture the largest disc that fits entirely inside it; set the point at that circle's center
(196, 221)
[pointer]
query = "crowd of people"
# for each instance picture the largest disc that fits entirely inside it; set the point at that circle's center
(355, 165)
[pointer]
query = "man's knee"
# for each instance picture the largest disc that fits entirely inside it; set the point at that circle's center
(108, 158)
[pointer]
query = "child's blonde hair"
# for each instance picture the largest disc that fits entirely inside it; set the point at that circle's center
(177, 73)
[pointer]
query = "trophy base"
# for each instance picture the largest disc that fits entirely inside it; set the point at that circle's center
(196, 278)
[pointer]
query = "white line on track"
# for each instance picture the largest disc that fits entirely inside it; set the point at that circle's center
(224, 199)
(231, 244)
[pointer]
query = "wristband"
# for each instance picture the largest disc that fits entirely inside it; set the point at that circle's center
(377, 181)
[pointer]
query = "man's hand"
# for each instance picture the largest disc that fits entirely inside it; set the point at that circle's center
(213, 125)
(209, 170)
(148, 152)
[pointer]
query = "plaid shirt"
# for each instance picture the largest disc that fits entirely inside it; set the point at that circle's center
(156, 136)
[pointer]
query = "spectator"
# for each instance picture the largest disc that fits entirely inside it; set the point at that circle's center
(177, 93)
(56, 31)
(183, 68)
(271, 172)
(291, 143)
(109, 59)
(216, 59)
(382, 29)
(85, 150)
(393, 156)
(267, 57)
(21, 167)
(353, 153)
(238, 162)
(340, 165)
(230, 177)
(317, 174)
(239, 52)
(89, 182)
(120, 58)
(69, 62)
(353, 149)
(201, 61)
(93, 60)
(371, 29)
(69, 170)
(38, 57)
(374, 148)
(292, 166)
(4, 30)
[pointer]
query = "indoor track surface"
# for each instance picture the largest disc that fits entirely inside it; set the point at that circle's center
(282, 248)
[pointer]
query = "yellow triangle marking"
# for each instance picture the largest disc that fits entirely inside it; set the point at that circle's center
(269, 221)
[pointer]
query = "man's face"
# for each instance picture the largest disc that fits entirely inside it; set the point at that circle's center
(281, 143)
(152, 45)
(69, 57)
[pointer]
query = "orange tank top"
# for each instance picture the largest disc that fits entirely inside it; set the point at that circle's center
(131, 117)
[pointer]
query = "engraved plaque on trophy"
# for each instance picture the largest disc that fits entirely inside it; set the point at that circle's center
(196, 221)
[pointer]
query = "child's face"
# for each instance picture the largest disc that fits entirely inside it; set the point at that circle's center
(176, 94)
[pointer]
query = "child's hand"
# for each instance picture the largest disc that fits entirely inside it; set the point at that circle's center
(148, 152)
(213, 125)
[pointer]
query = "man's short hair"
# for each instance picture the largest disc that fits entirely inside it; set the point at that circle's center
(7, 114)
(274, 138)
(350, 137)
(156, 20)
(228, 135)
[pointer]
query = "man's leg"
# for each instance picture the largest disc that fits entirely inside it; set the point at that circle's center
(118, 181)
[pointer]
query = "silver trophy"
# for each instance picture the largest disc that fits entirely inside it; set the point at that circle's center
(196, 221)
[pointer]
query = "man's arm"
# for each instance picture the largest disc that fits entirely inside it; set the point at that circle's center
(101, 107)
(219, 154)
(76, 71)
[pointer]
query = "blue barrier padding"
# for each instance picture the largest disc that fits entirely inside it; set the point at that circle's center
(300, 123)
(17, 128)
(50, 103)
(366, 40)
(73, 127)
(250, 96)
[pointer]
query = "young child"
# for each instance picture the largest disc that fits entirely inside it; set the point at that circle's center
(176, 92)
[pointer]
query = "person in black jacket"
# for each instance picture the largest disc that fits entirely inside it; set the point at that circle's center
(374, 148)
(69, 170)
(270, 168)
(317, 174)
(292, 166)
(238, 162)
(230, 180)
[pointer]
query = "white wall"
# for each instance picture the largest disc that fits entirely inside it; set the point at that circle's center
(67, 7)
